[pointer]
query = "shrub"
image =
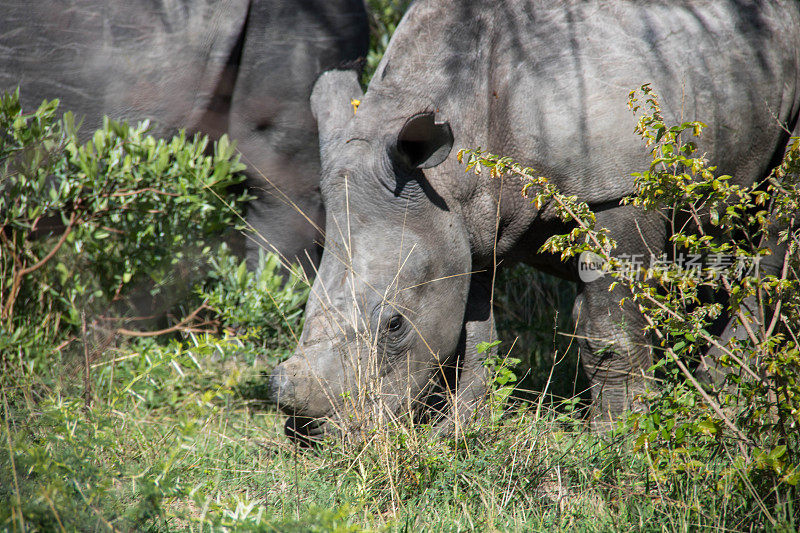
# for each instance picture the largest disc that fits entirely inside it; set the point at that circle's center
(101, 228)
(737, 434)
(384, 16)
(91, 235)
(257, 305)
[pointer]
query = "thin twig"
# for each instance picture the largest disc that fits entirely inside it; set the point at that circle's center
(708, 338)
(139, 191)
(11, 459)
(71, 224)
(87, 386)
(742, 318)
(16, 285)
(777, 313)
(177, 327)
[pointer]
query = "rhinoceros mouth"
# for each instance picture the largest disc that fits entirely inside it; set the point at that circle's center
(429, 407)
(307, 432)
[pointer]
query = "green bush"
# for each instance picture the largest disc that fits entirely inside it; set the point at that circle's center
(92, 235)
(738, 431)
(384, 16)
(257, 305)
(112, 227)
(64, 466)
(735, 432)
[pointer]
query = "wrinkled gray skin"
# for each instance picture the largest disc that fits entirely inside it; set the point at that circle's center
(236, 66)
(409, 234)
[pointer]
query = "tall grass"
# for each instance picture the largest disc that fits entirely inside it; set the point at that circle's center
(177, 440)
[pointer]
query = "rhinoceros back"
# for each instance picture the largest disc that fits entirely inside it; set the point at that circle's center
(243, 67)
(158, 60)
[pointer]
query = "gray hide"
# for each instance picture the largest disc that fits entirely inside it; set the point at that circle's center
(237, 66)
(402, 295)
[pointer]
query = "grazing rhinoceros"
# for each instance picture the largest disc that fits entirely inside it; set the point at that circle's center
(245, 67)
(402, 294)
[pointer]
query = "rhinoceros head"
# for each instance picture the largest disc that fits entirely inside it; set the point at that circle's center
(387, 307)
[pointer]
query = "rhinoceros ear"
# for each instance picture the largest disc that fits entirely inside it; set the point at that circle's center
(332, 101)
(423, 142)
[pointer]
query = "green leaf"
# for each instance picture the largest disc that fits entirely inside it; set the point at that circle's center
(777, 452)
(707, 426)
(484, 347)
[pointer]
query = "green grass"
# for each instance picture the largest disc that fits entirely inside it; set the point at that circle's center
(178, 438)
(533, 313)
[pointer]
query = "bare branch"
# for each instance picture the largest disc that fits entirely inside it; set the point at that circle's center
(183, 325)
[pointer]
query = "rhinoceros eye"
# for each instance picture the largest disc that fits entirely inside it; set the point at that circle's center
(395, 323)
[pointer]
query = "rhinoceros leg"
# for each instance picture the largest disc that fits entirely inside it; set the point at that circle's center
(466, 396)
(615, 352)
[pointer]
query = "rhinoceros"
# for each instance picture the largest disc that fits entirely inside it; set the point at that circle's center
(402, 296)
(245, 67)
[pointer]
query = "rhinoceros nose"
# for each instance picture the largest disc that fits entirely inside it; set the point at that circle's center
(281, 388)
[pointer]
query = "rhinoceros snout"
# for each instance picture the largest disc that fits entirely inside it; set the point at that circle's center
(299, 390)
(303, 399)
